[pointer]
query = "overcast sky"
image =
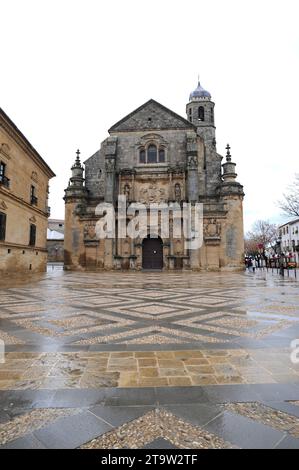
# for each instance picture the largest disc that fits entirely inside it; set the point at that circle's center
(72, 68)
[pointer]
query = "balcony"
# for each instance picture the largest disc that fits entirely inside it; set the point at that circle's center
(34, 200)
(4, 181)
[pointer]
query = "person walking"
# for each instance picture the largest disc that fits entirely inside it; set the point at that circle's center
(253, 261)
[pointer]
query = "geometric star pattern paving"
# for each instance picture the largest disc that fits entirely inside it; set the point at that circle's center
(160, 360)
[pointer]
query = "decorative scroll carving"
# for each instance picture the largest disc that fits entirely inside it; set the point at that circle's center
(5, 149)
(34, 176)
(3, 206)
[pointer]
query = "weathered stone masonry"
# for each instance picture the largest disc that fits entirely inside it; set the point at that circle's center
(155, 155)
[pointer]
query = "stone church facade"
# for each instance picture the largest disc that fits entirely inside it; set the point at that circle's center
(154, 155)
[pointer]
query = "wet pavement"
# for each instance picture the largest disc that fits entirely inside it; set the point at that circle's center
(149, 360)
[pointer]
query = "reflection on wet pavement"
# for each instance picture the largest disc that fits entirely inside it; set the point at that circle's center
(90, 333)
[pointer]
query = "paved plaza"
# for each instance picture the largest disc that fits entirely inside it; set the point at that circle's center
(149, 360)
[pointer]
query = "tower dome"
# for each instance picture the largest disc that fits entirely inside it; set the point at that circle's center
(199, 94)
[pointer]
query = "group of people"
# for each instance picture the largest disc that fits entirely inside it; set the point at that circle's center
(251, 264)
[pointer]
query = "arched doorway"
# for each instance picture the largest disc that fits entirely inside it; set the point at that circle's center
(152, 253)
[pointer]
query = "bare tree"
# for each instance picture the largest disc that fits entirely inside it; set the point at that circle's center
(262, 233)
(251, 246)
(290, 202)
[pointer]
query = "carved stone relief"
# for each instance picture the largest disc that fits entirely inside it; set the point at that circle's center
(212, 229)
(152, 194)
(89, 231)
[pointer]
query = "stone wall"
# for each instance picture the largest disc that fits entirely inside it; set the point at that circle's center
(24, 168)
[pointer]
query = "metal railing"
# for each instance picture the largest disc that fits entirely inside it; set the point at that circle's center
(4, 181)
(34, 200)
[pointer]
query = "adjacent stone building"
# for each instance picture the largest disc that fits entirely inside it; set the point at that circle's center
(154, 155)
(288, 239)
(24, 211)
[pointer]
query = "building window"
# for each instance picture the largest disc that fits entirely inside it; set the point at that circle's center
(3, 179)
(142, 156)
(201, 113)
(2, 226)
(161, 156)
(152, 154)
(32, 235)
(212, 115)
(33, 198)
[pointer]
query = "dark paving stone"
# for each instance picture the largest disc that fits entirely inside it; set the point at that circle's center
(244, 432)
(251, 343)
(160, 444)
(118, 415)
(79, 398)
(131, 396)
(230, 393)
(285, 407)
(276, 392)
(4, 416)
(181, 395)
(196, 414)
(72, 431)
(26, 399)
(38, 348)
(288, 442)
(27, 442)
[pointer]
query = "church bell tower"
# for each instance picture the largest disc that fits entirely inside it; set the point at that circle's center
(200, 111)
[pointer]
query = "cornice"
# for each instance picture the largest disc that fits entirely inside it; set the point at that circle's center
(11, 129)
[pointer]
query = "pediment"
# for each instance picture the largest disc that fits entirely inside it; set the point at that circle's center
(151, 116)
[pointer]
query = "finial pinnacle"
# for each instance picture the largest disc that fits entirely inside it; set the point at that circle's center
(78, 157)
(228, 155)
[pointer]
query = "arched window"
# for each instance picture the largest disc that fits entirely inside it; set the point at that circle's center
(212, 115)
(152, 154)
(201, 113)
(142, 156)
(161, 155)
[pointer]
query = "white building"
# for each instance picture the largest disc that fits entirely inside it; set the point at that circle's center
(289, 239)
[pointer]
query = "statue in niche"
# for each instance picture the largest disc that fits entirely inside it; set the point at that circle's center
(192, 161)
(177, 192)
(127, 192)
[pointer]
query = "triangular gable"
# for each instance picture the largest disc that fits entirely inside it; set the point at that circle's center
(151, 115)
